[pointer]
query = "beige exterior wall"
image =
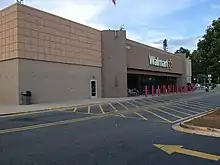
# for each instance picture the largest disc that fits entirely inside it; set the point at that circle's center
(9, 82)
(43, 36)
(53, 57)
(137, 58)
(8, 33)
(51, 82)
(114, 68)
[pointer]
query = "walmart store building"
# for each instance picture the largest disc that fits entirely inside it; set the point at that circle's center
(59, 60)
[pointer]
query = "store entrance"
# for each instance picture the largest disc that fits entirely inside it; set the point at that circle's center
(138, 82)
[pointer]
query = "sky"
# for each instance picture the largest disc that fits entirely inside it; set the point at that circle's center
(182, 22)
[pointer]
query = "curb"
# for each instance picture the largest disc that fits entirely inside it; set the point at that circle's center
(206, 131)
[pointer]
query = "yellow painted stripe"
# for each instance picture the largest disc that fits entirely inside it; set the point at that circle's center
(101, 109)
(158, 116)
(31, 127)
(123, 105)
(132, 104)
(177, 111)
(89, 110)
(198, 154)
(113, 107)
(168, 113)
(75, 109)
(140, 115)
(122, 115)
(171, 149)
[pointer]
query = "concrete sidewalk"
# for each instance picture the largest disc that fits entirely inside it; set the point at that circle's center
(10, 109)
(16, 109)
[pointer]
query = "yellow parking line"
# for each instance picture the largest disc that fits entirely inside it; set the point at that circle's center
(89, 109)
(140, 115)
(158, 116)
(132, 104)
(37, 126)
(101, 108)
(168, 113)
(113, 107)
(176, 111)
(186, 109)
(75, 109)
(123, 105)
(122, 115)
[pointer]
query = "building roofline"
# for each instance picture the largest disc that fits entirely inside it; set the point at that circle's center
(129, 40)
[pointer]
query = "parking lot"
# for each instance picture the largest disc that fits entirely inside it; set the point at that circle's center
(169, 109)
(113, 131)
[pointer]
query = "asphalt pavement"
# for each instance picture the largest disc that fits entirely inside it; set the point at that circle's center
(121, 133)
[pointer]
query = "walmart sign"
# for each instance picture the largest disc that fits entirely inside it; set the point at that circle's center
(155, 61)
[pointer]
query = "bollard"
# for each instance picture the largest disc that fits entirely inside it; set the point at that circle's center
(177, 89)
(180, 89)
(173, 88)
(164, 89)
(158, 90)
(152, 90)
(168, 89)
(145, 90)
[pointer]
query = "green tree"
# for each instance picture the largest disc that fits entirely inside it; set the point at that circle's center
(208, 50)
(183, 50)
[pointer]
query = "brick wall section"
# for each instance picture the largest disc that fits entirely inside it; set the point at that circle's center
(43, 36)
(8, 33)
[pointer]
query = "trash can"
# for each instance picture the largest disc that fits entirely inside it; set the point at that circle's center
(26, 97)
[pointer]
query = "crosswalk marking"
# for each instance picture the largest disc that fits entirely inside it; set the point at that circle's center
(204, 103)
(168, 113)
(200, 105)
(195, 112)
(158, 116)
(176, 110)
(140, 115)
(188, 106)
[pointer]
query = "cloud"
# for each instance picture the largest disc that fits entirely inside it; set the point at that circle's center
(80, 11)
(146, 21)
